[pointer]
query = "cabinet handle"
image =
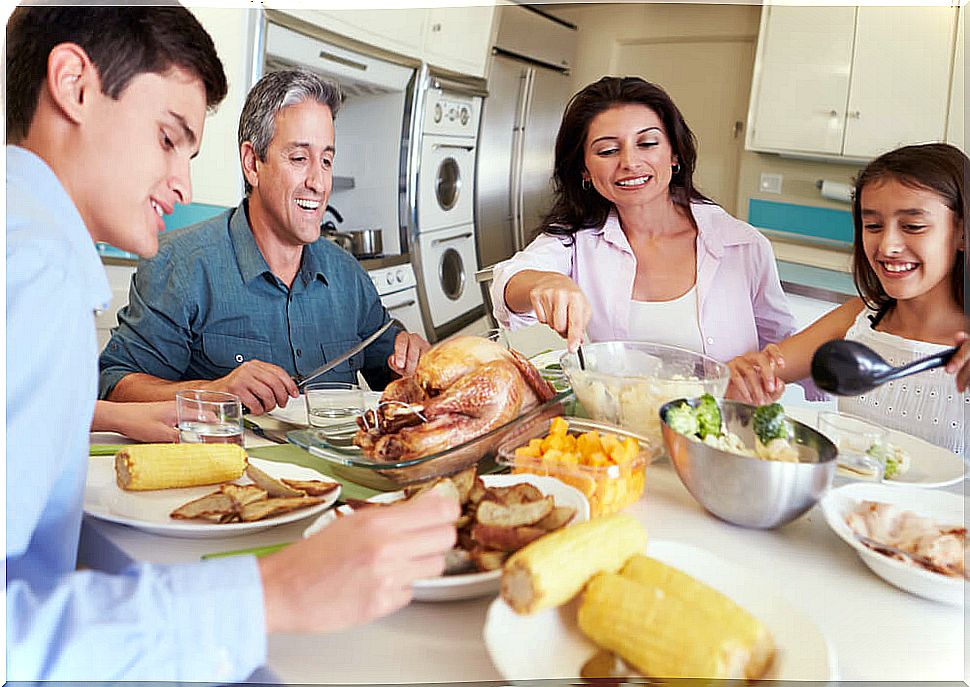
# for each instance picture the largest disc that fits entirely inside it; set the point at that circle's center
(456, 146)
(405, 304)
(437, 242)
(833, 113)
(855, 114)
(324, 55)
(436, 27)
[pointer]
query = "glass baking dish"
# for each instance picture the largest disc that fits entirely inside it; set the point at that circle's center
(396, 474)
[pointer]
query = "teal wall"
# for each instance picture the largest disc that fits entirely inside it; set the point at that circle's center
(803, 220)
(182, 216)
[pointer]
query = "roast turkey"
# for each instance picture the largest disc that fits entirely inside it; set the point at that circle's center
(461, 389)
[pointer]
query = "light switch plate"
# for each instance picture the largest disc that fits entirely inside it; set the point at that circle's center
(771, 183)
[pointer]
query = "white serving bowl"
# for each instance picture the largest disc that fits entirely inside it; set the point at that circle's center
(944, 507)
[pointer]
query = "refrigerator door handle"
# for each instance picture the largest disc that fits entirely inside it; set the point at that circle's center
(530, 86)
(518, 146)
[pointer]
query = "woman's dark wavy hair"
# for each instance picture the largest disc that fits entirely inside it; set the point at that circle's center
(937, 167)
(575, 208)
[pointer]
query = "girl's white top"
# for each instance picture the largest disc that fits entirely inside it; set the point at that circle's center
(673, 323)
(926, 405)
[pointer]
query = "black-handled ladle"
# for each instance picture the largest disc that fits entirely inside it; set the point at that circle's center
(849, 368)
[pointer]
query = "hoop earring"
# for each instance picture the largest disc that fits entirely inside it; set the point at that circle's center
(675, 168)
(586, 184)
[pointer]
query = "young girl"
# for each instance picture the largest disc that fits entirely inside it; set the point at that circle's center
(909, 265)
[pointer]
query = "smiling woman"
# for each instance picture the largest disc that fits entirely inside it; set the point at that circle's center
(631, 249)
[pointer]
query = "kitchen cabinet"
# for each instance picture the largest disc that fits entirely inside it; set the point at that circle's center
(453, 38)
(956, 126)
(458, 38)
(850, 82)
(216, 173)
(397, 30)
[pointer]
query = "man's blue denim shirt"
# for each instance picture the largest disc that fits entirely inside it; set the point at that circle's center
(208, 301)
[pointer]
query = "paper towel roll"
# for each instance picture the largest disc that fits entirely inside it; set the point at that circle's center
(833, 190)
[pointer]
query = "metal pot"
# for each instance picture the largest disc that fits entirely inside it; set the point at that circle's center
(366, 242)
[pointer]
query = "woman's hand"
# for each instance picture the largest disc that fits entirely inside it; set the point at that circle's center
(959, 364)
(753, 376)
(559, 303)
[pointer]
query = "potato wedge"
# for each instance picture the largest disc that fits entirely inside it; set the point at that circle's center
(559, 517)
(258, 510)
(516, 494)
(506, 539)
(313, 487)
(241, 495)
(212, 507)
(493, 513)
(488, 560)
(273, 486)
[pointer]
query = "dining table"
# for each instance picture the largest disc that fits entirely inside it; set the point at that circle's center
(874, 631)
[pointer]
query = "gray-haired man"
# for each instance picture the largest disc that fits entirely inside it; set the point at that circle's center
(252, 297)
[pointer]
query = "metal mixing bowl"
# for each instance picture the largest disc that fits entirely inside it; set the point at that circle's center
(749, 491)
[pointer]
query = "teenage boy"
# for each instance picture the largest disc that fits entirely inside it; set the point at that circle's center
(105, 108)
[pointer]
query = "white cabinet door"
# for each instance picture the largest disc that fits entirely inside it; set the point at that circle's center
(900, 78)
(216, 174)
(458, 38)
(396, 30)
(802, 79)
(956, 128)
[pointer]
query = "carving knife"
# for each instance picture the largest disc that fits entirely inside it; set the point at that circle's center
(323, 369)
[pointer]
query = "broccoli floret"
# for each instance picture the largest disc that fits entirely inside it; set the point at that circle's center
(769, 423)
(895, 460)
(708, 417)
(682, 419)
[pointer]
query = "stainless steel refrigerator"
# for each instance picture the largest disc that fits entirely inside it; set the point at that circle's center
(528, 88)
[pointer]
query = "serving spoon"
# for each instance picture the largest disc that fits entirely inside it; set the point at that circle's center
(849, 368)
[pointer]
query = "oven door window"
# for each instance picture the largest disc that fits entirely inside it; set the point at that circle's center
(448, 183)
(451, 274)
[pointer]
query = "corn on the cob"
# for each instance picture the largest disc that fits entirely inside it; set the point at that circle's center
(667, 624)
(164, 466)
(553, 569)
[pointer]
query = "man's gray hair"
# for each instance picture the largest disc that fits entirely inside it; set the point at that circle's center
(276, 90)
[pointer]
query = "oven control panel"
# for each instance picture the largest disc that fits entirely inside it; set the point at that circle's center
(390, 279)
(451, 114)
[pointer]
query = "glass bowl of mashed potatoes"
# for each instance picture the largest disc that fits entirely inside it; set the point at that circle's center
(625, 382)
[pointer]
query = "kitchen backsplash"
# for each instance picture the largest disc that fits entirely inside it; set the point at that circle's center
(803, 221)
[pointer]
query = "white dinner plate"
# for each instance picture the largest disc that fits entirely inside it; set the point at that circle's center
(932, 466)
(549, 644)
(944, 507)
(295, 411)
(473, 585)
(149, 510)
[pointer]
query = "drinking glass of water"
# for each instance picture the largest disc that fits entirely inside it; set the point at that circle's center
(330, 402)
(856, 440)
(209, 417)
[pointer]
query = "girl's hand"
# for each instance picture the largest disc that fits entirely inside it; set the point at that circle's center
(753, 376)
(559, 303)
(959, 364)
